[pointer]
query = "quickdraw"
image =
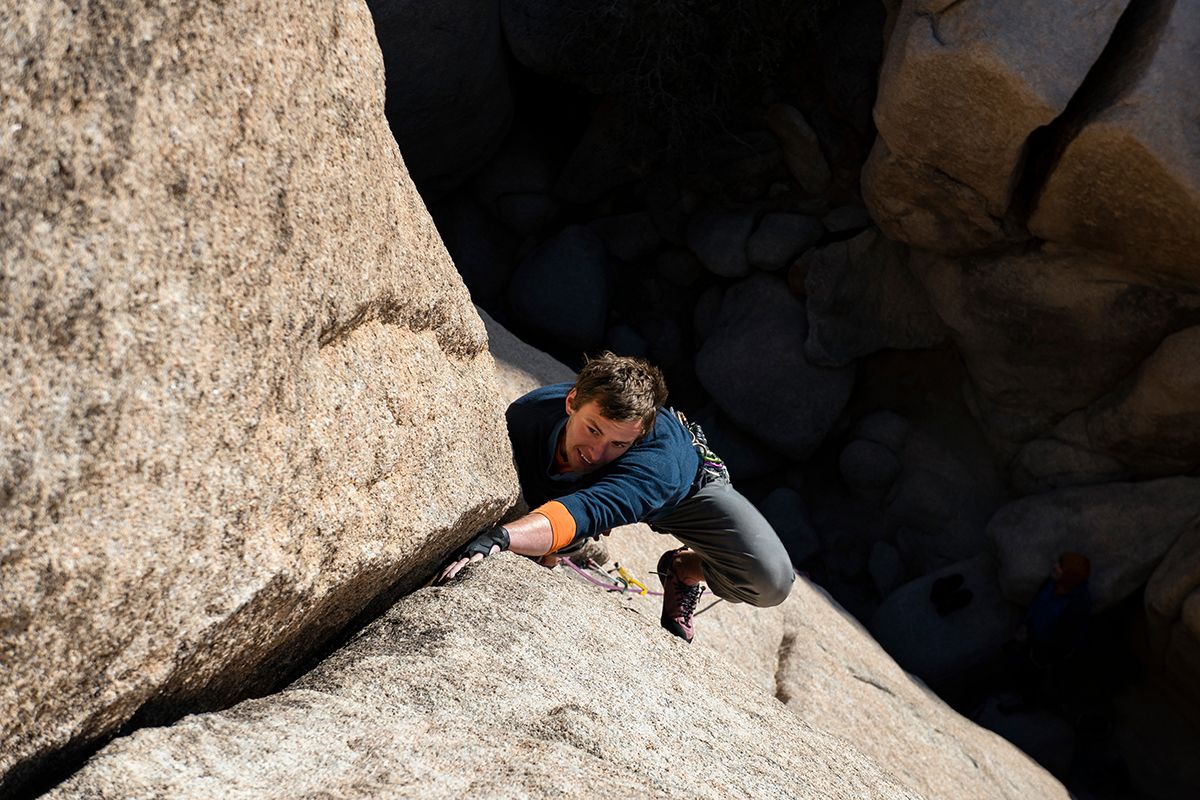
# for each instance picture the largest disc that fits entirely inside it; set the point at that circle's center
(622, 581)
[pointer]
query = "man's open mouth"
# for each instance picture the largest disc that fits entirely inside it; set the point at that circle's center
(584, 458)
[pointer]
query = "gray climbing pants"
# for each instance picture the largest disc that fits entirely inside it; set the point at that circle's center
(744, 561)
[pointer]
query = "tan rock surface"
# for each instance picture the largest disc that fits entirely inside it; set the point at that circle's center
(515, 682)
(244, 391)
(813, 656)
(1129, 180)
(801, 148)
(1148, 427)
(963, 86)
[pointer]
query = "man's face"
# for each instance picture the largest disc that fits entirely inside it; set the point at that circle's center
(592, 440)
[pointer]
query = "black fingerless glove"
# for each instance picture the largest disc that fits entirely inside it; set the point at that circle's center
(484, 542)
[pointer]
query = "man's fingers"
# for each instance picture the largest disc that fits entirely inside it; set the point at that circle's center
(456, 567)
(450, 571)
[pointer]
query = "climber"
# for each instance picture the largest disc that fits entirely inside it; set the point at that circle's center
(1056, 622)
(604, 452)
(1037, 662)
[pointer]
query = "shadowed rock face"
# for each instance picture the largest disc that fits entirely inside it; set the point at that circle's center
(1045, 333)
(1126, 529)
(244, 391)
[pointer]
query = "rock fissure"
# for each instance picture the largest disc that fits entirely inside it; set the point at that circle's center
(1136, 32)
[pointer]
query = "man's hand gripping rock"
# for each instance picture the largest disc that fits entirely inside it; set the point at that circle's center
(491, 541)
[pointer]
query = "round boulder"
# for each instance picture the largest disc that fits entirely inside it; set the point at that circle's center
(561, 288)
(801, 148)
(779, 238)
(784, 509)
(718, 238)
(746, 458)
(752, 364)
(938, 647)
(868, 465)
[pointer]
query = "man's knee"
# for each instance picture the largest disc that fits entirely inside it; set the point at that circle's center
(771, 584)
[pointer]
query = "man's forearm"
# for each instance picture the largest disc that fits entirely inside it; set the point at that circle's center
(531, 535)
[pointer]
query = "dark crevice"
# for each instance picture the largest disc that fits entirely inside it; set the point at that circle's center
(298, 651)
(1119, 66)
(786, 645)
(935, 20)
(871, 682)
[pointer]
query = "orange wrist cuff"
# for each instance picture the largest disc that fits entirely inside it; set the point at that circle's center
(562, 524)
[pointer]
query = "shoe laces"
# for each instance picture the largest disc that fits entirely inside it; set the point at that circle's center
(689, 598)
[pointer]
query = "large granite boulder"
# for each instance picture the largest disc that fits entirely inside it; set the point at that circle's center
(1125, 529)
(801, 148)
(818, 660)
(962, 89)
(1152, 423)
(1063, 457)
(244, 392)
(1047, 332)
(1128, 181)
(753, 365)
(449, 102)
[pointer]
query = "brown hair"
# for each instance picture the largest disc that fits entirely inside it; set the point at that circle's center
(624, 388)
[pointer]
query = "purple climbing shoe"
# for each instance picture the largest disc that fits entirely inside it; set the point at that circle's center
(679, 599)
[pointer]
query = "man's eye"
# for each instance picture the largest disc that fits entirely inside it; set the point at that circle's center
(620, 445)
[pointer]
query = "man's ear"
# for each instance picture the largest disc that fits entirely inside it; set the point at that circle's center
(570, 400)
